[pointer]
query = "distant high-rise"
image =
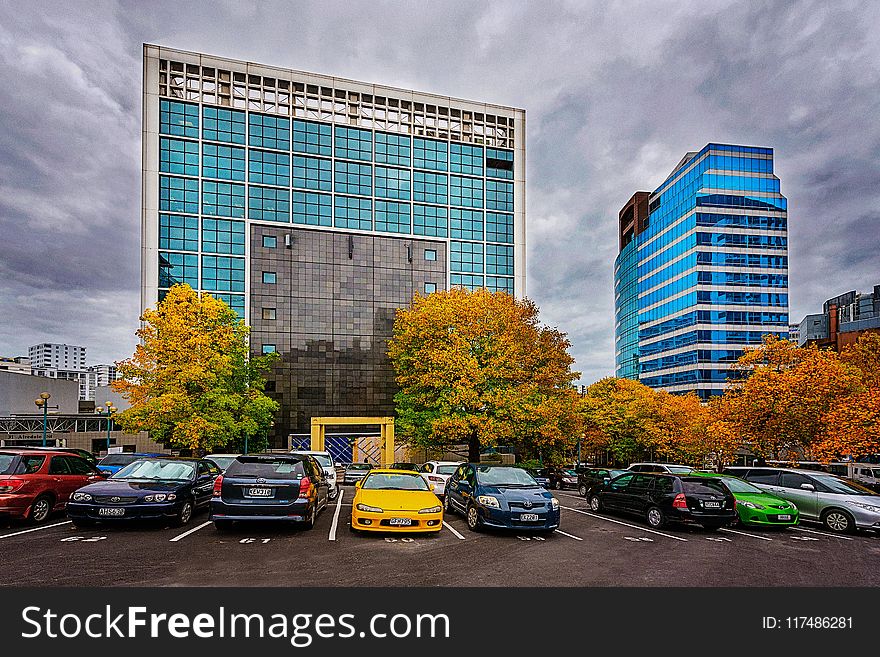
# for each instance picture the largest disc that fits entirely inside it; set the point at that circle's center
(702, 271)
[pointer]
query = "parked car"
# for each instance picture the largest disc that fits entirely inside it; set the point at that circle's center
(33, 484)
(541, 475)
(82, 453)
(354, 472)
(562, 478)
(325, 459)
(415, 467)
(280, 487)
(662, 498)
(113, 463)
(589, 477)
(389, 500)
(756, 506)
(222, 461)
(670, 468)
(500, 496)
(438, 473)
(150, 488)
(841, 506)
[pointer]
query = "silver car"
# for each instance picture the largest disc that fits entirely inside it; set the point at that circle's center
(840, 505)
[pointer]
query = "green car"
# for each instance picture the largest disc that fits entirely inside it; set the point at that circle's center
(756, 506)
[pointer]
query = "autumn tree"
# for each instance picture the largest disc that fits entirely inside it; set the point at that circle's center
(190, 382)
(620, 416)
(479, 368)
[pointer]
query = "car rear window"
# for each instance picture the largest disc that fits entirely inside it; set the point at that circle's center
(703, 487)
(446, 469)
(12, 464)
(274, 469)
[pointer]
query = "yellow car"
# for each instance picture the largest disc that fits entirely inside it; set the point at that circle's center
(395, 501)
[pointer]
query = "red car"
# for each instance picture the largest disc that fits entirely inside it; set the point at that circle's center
(35, 483)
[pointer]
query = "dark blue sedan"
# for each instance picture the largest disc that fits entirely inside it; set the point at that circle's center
(500, 496)
(151, 488)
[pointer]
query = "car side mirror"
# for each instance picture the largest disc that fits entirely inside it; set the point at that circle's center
(432, 487)
(358, 483)
(808, 487)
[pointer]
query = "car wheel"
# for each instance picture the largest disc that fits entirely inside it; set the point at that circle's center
(310, 520)
(595, 503)
(184, 515)
(655, 517)
(838, 521)
(222, 525)
(582, 490)
(447, 505)
(82, 523)
(473, 518)
(40, 510)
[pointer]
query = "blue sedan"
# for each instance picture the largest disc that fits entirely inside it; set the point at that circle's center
(113, 463)
(500, 496)
(153, 488)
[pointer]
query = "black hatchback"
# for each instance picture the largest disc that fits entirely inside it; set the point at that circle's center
(279, 487)
(662, 498)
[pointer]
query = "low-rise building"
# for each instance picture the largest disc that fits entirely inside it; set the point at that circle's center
(843, 320)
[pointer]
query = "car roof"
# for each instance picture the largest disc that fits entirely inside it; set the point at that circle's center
(446, 462)
(15, 451)
(804, 471)
(227, 455)
(394, 471)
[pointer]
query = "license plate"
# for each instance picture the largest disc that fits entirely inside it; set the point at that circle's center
(528, 517)
(260, 492)
(111, 512)
(401, 522)
(712, 505)
(783, 517)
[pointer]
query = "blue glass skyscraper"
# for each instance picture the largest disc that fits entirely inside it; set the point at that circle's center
(702, 271)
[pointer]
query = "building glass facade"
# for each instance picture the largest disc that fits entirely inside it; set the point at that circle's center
(706, 274)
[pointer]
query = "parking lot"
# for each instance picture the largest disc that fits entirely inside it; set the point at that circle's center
(589, 550)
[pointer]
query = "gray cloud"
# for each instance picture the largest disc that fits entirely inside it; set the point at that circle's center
(615, 94)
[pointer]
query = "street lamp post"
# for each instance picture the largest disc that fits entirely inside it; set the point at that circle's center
(43, 402)
(107, 410)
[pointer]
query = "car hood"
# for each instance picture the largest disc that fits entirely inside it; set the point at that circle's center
(516, 494)
(397, 500)
(122, 487)
(764, 499)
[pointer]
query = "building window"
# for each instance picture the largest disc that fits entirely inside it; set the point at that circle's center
(499, 164)
(311, 173)
(499, 227)
(430, 187)
(466, 192)
(313, 138)
(223, 125)
(430, 288)
(392, 149)
(499, 284)
(268, 349)
(270, 242)
(430, 254)
(223, 274)
(179, 119)
(269, 131)
(392, 217)
(178, 268)
(178, 156)
(354, 178)
(430, 220)
(353, 143)
(269, 277)
(353, 213)
(268, 204)
(178, 194)
(466, 257)
(268, 168)
(268, 313)
(234, 301)
(178, 232)
(430, 154)
(392, 183)
(499, 259)
(499, 195)
(222, 199)
(223, 236)
(224, 162)
(466, 224)
(469, 281)
(466, 159)
(312, 209)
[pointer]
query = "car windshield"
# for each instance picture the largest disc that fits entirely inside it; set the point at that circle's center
(165, 470)
(360, 466)
(679, 469)
(840, 486)
(222, 462)
(265, 468)
(394, 481)
(446, 469)
(739, 486)
(570, 473)
(504, 476)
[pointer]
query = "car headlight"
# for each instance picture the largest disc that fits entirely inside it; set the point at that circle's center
(748, 505)
(489, 500)
(433, 509)
(82, 497)
(867, 507)
(554, 504)
(371, 509)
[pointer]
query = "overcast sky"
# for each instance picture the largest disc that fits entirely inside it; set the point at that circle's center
(615, 94)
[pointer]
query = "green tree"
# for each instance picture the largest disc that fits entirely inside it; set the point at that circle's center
(479, 368)
(190, 381)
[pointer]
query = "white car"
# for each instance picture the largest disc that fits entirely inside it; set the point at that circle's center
(437, 473)
(668, 468)
(329, 467)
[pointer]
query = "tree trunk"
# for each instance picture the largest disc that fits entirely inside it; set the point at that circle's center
(473, 448)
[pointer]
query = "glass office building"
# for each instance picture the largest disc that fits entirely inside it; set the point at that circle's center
(702, 271)
(316, 206)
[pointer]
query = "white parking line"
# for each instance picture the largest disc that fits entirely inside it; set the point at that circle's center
(332, 536)
(577, 538)
(35, 529)
(453, 530)
(801, 529)
(733, 531)
(191, 531)
(574, 497)
(626, 524)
